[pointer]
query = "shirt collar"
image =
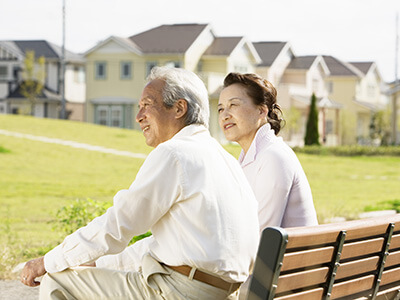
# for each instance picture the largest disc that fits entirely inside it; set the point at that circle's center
(190, 130)
(264, 135)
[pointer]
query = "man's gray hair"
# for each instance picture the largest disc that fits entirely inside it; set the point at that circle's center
(184, 84)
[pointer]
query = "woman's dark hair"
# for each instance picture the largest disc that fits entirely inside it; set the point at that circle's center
(262, 92)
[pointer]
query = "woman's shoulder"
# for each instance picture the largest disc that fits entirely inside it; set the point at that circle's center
(277, 151)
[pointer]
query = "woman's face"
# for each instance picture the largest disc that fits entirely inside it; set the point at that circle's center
(239, 117)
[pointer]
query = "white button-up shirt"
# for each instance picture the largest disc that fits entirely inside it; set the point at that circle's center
(278, 181)
(193, 196)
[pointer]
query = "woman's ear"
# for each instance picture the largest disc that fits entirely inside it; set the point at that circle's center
(180, 108)
(263, 111)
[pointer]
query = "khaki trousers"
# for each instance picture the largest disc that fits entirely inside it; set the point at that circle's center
(153, 281)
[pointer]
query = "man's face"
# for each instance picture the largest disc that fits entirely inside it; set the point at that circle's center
(157, 122)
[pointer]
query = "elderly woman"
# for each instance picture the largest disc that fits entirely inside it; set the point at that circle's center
(250, 116)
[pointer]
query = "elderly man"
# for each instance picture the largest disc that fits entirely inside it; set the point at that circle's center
(192, 195)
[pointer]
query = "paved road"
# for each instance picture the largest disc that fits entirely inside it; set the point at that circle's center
(15, 290)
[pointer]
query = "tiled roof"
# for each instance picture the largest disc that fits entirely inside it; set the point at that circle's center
(43, 48)
(223, 45)
(268, 51)
(339, 68)
(363, 66)
(175, 38)
(302, 62)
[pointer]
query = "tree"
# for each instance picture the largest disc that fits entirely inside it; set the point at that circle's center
(312, 134)
(380, 127)
(33, 78)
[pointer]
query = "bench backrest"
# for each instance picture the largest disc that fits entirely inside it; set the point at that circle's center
(344, 260)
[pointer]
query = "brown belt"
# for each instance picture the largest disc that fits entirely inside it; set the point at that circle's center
(207, 278)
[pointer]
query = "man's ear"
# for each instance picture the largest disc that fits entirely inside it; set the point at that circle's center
(180, 108)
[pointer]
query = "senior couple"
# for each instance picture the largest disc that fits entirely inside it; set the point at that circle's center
(205, 210)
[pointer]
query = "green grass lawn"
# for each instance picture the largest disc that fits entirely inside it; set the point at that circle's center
(38, 178)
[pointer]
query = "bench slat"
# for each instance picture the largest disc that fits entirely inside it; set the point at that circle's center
(306, 295)
(362, 248)
(327, 233)
(390, 276)
(306, 258)
(361, 266)
(303, 279)
(352, 286)
(395, 243)
(393, 259)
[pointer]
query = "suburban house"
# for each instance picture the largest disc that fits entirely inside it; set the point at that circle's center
(394, 101)
(117, 68)
(357, 87)
(348, 94)
(48, 102)
(296, 79)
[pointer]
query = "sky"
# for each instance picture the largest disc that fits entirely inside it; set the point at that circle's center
(351, 30)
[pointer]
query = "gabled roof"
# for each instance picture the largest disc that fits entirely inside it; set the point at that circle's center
(340, 68)
(123, 42)
(168, 39)
(302, 62)
(363, 66)
(223, 45)
(269, 51)
(43, 48)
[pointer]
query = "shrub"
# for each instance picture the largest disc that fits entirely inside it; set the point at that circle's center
(4, 150)
(78, 214)
(385, 205)
(354, 150)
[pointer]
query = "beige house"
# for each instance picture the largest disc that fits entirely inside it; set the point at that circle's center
(347, 94)
(394, 102)
(357, 87)
(296, 79)
(117, 68)
(12, 55)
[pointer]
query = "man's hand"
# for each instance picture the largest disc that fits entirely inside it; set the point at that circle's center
(33, 269)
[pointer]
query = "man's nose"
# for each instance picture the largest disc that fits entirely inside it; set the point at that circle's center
(139, 116)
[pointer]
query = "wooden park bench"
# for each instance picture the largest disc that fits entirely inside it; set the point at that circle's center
(350, 260)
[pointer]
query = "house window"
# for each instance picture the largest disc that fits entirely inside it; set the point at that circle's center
(102, 114)
(329, 127)
(150, 65)
(110, 115)
(173, 64)
(100, 70)
(330, 87)
(240, 68)
(126, 70)
(116, 116)
(371, 90)
(79, 74)
(3, 72)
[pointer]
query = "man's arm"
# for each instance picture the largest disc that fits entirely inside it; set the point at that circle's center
(33, 269)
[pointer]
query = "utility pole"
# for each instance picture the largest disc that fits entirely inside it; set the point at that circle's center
(62, 75)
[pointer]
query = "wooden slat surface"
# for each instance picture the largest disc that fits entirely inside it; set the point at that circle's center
(393, 259)
(361, 266)
(362, 248)
(305, 258)
(327, 233)
(303, 279)
(390, 276)
(395, 242)
(314, 294)
(352, 287)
